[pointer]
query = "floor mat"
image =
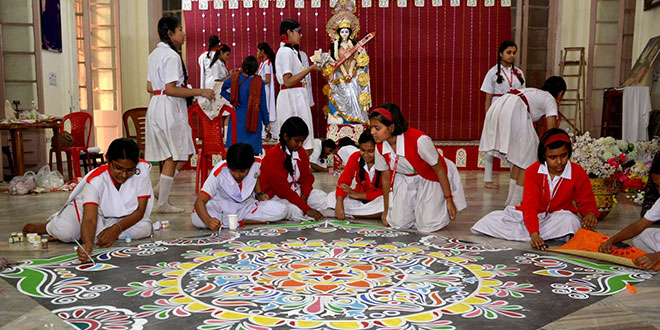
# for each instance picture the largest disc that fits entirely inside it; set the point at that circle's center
(316, 275)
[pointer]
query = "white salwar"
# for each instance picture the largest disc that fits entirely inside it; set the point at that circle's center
(315, 157)
(167, 131)
(113, 205)
(292, 102)
(356, 207)
(509, 132)
(227, 197)
(509, 224)
(416, 202)
(266, 68)
(649, 239)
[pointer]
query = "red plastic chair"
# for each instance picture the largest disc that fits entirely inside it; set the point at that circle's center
(211, 133)
(81, 130)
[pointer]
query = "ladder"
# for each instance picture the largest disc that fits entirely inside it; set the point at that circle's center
(572, 69)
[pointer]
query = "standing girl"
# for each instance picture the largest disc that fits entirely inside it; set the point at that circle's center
(366, 199)
(553, 187)
(248, 96)
(266, 56)
(285, 174)
(499, 80)
(293, 99)
(220, 57)
(208, 73)
(112, 201)
(426, 191)
(168, 136)
(509, 127)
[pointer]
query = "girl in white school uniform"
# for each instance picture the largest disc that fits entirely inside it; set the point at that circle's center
(208, 73)
(234, 188)
(365, 200)
(426, 191)
(293, 99)
(554, 186)
(266, 56)
(499, 80)
(287, 177)
(509, 132)
(110, 203)
(220, 60)
(168, 135)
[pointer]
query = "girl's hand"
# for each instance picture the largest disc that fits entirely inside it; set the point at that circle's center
(82, 256)
(383, 218)
(315, 214)
(264, 197)
(648, 261)
(339, 213)
(537, 242)
(207, 93)
(314, 67)
(213, 224)
(108, 236)
(606, 247)
(451, 209)
(590, 221)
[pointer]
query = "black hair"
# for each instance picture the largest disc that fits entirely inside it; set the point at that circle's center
(332, 45)
(554, 145)
(169, 24)
(399, 121)
(265, 47)
(327, 143)
(554, 85)
(346, 141)
(221, 50)
(366, 137)
(240, 156)
(213, 42)
(655, 165)
(289, 25)
(503, 46)
(250, 65)
(292, 127)
(651, 194)
(123, 148)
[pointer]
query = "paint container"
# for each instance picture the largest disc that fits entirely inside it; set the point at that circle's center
(20, 237)
(36, 239)
(36, 245)
(164, 224)
(11, 240)
(233, 221)
(15, 235)
(127, 239)
(44, 243)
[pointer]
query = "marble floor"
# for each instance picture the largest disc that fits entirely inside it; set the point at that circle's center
(621, 311)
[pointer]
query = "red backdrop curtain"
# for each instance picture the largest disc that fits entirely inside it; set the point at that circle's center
(428, 60)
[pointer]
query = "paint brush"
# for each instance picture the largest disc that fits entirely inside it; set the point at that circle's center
(85, 252)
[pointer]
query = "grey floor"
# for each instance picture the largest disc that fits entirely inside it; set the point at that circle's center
(621, 311)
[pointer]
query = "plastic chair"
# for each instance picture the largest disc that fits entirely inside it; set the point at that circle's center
(81, 130)
(138, 118)
(211, 134)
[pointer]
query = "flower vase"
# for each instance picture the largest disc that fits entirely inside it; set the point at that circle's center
(604, 190)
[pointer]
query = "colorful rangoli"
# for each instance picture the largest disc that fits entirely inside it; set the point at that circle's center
(316, 275)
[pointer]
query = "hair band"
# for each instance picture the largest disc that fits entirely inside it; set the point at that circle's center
(384, 112)
(557, 137)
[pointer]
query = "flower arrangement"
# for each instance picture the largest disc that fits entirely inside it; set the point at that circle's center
(605, 158)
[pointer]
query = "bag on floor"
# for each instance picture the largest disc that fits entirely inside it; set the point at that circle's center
(21, 185)
(48, 179)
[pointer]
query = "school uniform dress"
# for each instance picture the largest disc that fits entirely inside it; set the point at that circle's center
(346, 152)
(98, 188)
(230, 197)
(207, 73)
(315, 157)
(167, 131)
(649, 239)
(242, 135)
(278, 183)
(547, 206)
(509, 81)
(374, 192)
(308, 78)
(417, 199)
(266, 68)
(221, 71)
(509, 132)
(292, 101)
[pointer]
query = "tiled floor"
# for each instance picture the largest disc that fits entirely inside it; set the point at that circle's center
(622, 311)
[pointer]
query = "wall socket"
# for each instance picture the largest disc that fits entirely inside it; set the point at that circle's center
(52, 79)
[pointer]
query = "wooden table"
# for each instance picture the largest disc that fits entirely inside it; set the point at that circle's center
(16, 132)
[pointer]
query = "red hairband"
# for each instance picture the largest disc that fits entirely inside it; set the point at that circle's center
(557, 137)
(384, 112)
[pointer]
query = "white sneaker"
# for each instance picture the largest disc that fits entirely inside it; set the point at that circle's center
(167, 208)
